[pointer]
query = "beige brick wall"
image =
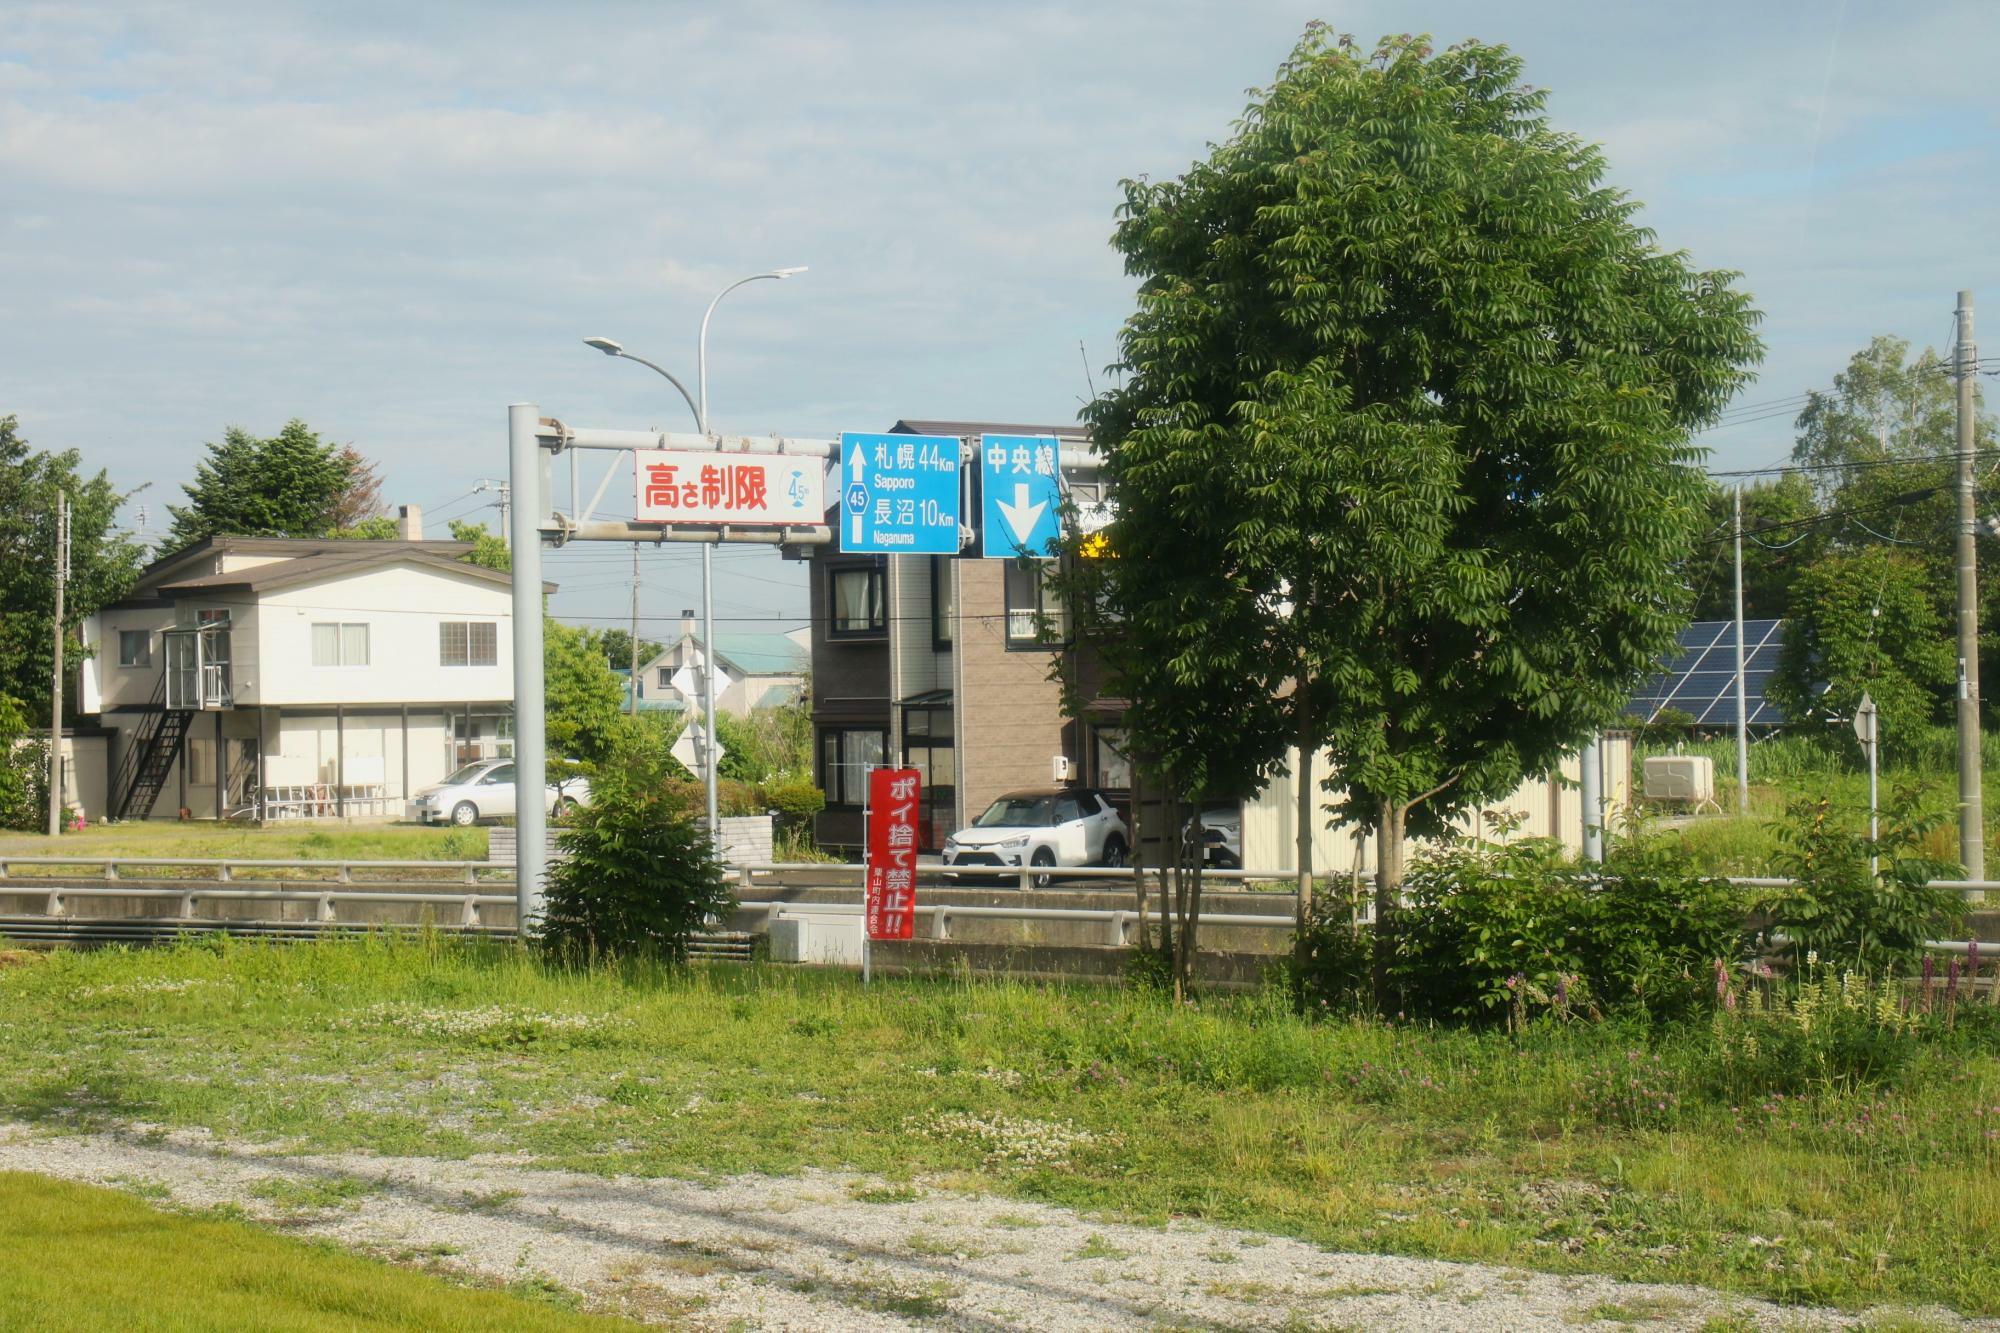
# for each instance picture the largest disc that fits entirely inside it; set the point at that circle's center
(1010, 719)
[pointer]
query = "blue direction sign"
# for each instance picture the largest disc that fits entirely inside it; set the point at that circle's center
(899, 494)
(1021, 476)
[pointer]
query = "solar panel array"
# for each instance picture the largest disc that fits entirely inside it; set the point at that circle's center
(1700, 680)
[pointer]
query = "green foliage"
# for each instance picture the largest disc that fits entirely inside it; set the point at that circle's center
(637, 878)
(1865, 621)
(617, 642)
(292, 484)
(583, 699)
(1504, 932)
(1833, 1027)
(488, 550)
(793, 801)
(104, 562)
(24, 770)
(1780, 538)
(1853, 919)
(770, 744)
(1404, 419)
(380, 528)
(1331, 973)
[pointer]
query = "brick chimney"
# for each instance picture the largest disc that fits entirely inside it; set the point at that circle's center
(410, 523)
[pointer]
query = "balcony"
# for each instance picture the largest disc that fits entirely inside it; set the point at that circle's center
(197, 673)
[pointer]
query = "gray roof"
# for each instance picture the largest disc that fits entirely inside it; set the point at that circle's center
(912, 426)
(334, 563)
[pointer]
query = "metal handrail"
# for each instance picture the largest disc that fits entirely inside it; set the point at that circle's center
(225, 867)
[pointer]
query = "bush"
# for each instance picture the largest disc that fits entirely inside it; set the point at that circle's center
(637, 879)
(24, 770)
(1329, 973)
(1851, 918)
(1492, 933)
(794, 801)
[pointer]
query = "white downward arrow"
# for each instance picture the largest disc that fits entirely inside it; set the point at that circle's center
(1022, 516)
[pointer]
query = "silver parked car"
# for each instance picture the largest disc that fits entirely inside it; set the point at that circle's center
(485, 789)
(1054, 828)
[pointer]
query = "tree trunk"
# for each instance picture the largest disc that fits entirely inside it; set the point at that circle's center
(1191, 928)
(1170, 871)
(1138, 855)
(1306, 820)
(1389, 847)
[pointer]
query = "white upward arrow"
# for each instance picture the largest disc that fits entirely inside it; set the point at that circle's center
(1022, 516)
(856, 461)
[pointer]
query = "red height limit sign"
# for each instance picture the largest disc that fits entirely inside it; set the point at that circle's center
(893, 797)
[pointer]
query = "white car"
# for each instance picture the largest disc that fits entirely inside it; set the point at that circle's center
(1222, 836)
(1052, 828)
(485, 789)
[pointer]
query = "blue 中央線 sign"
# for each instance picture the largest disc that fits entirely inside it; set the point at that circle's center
(1021, 479)
(899, 494)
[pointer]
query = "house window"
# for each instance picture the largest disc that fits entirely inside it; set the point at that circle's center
(339, 644)
(468, 643)
(1110, 766)
(845, 758)
(854, 594)
(666, 679)
(201, 761)
(944, 602)
(1035, 614)
(135, 648)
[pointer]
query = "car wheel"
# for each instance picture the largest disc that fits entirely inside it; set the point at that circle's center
(1114, 851)
(465, 812)
(1042, 857)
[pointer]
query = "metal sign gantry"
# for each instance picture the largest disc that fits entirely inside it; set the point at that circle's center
(534, 442)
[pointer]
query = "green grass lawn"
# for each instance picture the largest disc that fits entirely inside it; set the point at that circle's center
(325, 842)
(78, 1259)
(1581, 1148)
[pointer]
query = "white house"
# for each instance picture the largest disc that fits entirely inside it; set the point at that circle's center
(251, 677)
(751, 671)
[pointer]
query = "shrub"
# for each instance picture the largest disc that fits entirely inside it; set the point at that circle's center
(637, 879)
(24, 770)
(794, 801)
(1329, 972)
(1491, 933)
(1851, 918)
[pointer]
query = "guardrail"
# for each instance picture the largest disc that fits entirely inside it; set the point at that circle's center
(110, 868)
(324, 901)
(1118, 920)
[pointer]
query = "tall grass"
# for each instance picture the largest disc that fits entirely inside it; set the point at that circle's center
(1537, 1149)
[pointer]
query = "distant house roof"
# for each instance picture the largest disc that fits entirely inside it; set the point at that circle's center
(327, 564)
(762, 654)
(294, 547)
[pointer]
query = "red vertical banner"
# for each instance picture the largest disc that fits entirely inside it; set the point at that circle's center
(893, 797)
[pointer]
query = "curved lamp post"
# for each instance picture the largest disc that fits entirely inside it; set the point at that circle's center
(698, 404)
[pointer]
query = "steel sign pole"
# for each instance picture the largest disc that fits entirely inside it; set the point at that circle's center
(1742, 710)
(1971, 800)
(530, 501)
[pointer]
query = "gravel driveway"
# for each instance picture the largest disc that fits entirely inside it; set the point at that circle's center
(824, 1251)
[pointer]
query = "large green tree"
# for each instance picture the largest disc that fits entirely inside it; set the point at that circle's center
(1404, 422)
(103, 560)
(292, 484)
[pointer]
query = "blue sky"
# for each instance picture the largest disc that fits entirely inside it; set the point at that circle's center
(394, 220)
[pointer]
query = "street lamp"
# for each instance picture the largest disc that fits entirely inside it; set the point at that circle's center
(698, 405)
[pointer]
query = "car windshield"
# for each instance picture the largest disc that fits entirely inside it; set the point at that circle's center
(466, 774)
(1017, 812)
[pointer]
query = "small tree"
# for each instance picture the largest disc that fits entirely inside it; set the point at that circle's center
(1865, 621)
(638, 878)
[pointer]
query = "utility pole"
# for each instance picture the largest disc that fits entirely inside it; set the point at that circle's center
(1971, 801)
(1742, 711)
(633, 709)
(56, 681)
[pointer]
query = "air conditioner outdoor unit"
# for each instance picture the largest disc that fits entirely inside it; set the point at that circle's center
(1060, 770)
(1681, 777)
